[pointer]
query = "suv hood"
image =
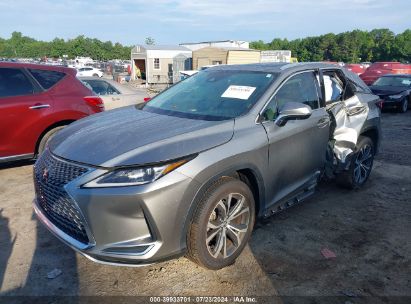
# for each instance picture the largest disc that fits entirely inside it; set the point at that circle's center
(128, 136)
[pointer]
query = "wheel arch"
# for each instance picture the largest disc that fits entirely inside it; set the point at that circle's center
(374, 134)
(249, 174)
(50, 127)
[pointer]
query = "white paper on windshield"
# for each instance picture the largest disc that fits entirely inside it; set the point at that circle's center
(239, 92)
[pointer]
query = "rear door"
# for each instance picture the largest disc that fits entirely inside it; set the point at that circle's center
(297, 150)
(126, 95)
(22, 106)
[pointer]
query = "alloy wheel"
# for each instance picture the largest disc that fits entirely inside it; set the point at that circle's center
(227, 225)
(363, 164)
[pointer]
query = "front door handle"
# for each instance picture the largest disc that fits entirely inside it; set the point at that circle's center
(39, 106)
(323, 122)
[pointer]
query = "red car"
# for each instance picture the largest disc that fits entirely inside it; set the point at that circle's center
(356, 68)
(35, 102)
(378, 69)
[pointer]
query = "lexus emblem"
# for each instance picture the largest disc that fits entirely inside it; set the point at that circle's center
(45, 174)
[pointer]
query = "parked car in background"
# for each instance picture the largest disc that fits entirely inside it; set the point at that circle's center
(191, 170)
(35, 102)
(89, 71)
(356, 68)
(378, 69)
(114, 95)
(394, 91)
(366, 64)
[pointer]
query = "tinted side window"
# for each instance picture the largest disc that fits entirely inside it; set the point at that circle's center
(98, 87)
(299, 88)
(13, 82)
(47, 79)
(112, 90)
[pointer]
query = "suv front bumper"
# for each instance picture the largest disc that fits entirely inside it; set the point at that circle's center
(134, 226)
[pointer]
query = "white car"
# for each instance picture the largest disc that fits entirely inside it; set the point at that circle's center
(113, 94)
(88, 72)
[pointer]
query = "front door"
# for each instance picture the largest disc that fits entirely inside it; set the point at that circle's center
(22, 106)
(297, 150)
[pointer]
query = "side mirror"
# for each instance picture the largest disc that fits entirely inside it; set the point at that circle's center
(292, 111)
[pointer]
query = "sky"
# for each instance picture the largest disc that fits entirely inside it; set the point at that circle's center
(177, 21)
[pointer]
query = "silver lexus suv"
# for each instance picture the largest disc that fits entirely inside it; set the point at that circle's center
(189, 172)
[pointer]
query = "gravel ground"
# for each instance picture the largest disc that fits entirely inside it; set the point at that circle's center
(368, 230)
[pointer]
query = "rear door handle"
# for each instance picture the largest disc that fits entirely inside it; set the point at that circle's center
(323, 122)
(39, 106)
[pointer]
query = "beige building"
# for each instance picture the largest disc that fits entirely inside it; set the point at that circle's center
(194, 46)
(224, 55)
(159, 63)
(276, 56)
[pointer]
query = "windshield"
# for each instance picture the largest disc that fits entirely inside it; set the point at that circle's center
(212, 95)
(395, 81)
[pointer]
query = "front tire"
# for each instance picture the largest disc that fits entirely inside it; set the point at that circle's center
(222, 224)
(404, 105)
(361, 165)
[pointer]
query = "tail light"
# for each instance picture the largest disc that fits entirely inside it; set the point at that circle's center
(95, 101)
(147, 99)
(380, 103)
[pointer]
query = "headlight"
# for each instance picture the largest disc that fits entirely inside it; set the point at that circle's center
(133, 176)
(395, 96)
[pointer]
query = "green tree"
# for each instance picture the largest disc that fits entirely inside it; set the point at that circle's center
(351, 47)
(402, 46)
(150, 41)
(258, 45)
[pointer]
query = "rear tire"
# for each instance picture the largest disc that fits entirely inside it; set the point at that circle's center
(46, 137)
(222, 224)
(361, 165)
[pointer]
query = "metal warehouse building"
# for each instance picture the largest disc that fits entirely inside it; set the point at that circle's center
(224, 55)
(160, 63)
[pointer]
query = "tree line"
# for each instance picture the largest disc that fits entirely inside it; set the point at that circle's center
(19, 46)
(350, 47)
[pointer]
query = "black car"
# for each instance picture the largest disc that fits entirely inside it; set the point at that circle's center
(394, 90)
